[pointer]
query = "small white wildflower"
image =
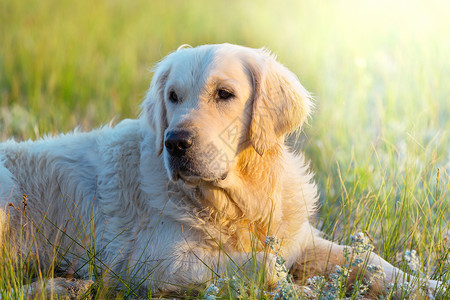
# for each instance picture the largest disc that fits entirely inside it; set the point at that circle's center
(360, 243)
(357, 262)
(235, 286)
(280, 261)
(335, 276)
(274, 243)
(376, 270)
(320, 288)
(412, 260)
(308, 292)
(377, 273)
(347, 252)
(211, 292)
(271, 241)
(285, 288)
(343, 271)
(316, 281)
(221, 282)
(363, 288)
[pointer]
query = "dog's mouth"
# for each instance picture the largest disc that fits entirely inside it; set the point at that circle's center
(194, 171)
(193, 179)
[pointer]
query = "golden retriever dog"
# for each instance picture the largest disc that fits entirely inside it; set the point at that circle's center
(187, 192)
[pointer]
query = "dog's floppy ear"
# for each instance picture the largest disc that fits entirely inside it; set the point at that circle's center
(280, 103)
(153, 107)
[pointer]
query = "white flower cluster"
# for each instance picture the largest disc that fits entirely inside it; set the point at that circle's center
(336, 287)
(211, 292)
(412, 260)
(360, 243)
(319, 287)
(285, 288)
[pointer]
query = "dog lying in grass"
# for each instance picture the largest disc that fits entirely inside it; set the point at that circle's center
(186, 193)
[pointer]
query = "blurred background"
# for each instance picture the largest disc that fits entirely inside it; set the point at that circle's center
(379, 71)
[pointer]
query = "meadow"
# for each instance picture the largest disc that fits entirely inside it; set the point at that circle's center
(378, 140)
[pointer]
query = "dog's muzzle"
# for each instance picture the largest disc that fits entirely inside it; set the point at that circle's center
(184, 161)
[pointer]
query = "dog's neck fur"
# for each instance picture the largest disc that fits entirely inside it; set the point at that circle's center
(231, 203)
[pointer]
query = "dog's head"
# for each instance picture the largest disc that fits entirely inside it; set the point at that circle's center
(209, 103)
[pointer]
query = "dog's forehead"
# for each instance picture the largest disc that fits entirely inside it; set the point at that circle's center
(230, 60)
(200, 63)
(190, 63)
(227, 66)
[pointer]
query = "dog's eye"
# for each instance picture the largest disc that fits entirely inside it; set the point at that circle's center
(173, 97)
(224, 94)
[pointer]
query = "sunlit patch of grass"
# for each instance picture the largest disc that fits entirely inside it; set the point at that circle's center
(24, 276)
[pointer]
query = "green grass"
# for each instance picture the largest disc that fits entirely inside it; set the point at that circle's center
(379, 140)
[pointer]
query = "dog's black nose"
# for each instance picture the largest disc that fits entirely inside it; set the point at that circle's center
(177, 142)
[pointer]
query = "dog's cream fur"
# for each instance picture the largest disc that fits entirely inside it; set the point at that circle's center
(118, 189)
